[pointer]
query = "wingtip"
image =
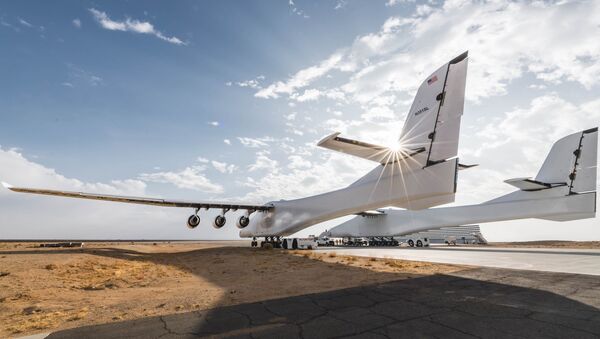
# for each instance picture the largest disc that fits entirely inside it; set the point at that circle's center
(7, 185)
(459, 58)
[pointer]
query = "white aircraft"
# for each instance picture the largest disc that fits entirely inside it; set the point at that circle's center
(421, 172)
(564, 189)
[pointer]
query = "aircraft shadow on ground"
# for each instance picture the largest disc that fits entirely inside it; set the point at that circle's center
(463, 304)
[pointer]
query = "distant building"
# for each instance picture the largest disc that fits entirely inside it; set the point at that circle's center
(466, 234)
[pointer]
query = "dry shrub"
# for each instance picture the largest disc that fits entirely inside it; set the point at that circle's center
(372, 259)
(50, 267)
(332, 255)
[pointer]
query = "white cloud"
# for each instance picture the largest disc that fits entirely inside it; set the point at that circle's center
(132, 25)
(391, 3)
(506, 40)
(79, 76)
(255, 142)
(297, 161)
(24, 23)
(227, 141)
(214, 123)
(192, 178)
(301, 79)
(77, 22)
(547, 119)
(296, 10)
(252, 83)
(340, 4)
(263, 162)
(223, 167)
(17, 170)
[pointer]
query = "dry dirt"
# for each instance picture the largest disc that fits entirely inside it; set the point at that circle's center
(44, 289)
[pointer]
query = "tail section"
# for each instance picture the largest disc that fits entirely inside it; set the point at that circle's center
(573, 160)
(423, 172)
(433, 121)
(570, 169)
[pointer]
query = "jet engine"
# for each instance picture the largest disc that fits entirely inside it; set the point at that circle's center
(243, 221)
(193, 221)
(219, 221)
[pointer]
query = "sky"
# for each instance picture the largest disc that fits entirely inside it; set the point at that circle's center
(226, 100)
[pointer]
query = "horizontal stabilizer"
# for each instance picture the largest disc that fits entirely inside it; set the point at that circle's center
(380, 154)
(372, 213)
(465, 166)
(528, 184)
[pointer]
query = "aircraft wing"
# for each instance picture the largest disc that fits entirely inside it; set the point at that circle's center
(380, 154)
(140, 200)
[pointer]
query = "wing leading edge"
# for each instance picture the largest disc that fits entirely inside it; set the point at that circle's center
(140, 200)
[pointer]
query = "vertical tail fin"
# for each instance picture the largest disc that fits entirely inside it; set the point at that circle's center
(573, 160)
(433, 121)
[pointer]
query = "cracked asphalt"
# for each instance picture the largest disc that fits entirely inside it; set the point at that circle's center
(479, 303)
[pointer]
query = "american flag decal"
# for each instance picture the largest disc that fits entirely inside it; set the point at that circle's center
(432, 80)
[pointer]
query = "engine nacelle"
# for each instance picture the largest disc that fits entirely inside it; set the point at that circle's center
(219, 221)
(193, 221)
(243, 221)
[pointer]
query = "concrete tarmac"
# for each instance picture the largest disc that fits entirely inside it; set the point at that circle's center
(474, 303)
(579, 261)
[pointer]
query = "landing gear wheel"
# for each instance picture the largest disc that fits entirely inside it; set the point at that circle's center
(295, 244)
(285, 244)
(411, 243)
(419, 243)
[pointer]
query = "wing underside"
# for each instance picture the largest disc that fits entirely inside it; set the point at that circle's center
(141, 200)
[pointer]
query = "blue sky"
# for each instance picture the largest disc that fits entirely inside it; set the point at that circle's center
(225, 100)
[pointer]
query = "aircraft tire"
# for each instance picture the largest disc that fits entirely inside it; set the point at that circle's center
(411, 243)
(419, 243)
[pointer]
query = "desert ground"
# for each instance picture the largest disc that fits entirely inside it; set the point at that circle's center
(46, 289)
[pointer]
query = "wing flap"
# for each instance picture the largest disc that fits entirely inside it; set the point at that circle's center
(140, 200)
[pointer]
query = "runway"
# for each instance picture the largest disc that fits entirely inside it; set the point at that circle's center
(578, 261)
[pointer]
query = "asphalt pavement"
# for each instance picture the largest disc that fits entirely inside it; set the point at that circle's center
(479, 302)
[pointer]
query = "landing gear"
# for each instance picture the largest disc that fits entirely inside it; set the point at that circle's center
(411, 243)
(272, 240)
